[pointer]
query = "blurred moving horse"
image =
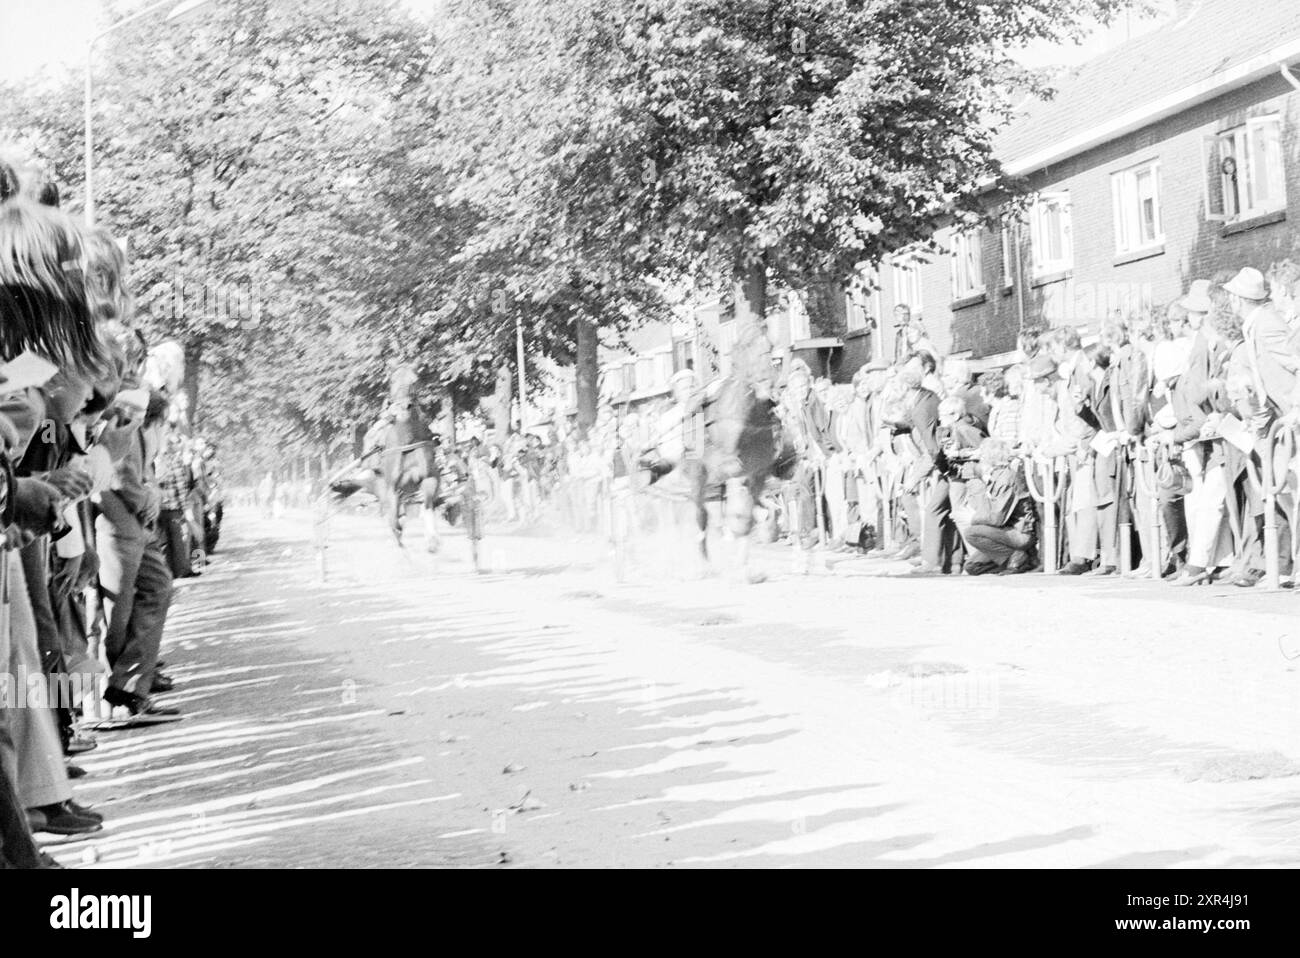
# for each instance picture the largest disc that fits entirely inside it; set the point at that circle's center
(744, 446)
(402, 452)
(408, 462)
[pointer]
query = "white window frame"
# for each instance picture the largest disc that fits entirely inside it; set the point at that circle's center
(728, 332)
(1234, 172)
(906, 272)
(1126, 208)
(1040, 227)
(966, 263)
(800, 322)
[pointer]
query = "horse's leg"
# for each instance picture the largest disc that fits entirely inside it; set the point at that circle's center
(429, 513)
(394, 508)
(739, 513)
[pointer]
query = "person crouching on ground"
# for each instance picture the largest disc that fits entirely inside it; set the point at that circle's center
(959, 439)
(998, 516)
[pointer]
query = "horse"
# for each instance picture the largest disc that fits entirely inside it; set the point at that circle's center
(744, 445)
(409, 472)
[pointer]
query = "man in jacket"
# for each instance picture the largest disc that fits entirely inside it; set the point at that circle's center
(1274, 369)
(134, 577)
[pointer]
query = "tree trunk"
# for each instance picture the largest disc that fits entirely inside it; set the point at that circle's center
(586, 371)
(501, 401)
(750, 291)
(190, 385)
(827, 309)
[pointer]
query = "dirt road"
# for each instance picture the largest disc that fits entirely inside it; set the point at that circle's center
(407, 712)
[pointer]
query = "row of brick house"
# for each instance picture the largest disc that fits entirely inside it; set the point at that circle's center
(1174, 156)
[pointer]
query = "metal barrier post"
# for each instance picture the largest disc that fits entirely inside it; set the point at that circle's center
(1045, 495)
(1144, 475)
(1126, 512)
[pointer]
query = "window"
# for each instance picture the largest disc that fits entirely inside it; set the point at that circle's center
(1051, 235)
(645, 373)
(854, 312)
(1135, 201)
(1009, 253)
(967, 263)
(800, 324)
(664, 367)
(906, 271)
(683, 355)
(726, 341)
(629, 377)
(1246, 175)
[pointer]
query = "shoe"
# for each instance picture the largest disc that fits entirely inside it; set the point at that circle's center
(47, 861)
(1016, 569)
(907, 552)
(1104, 570)
(1141, 572)
(1076, 567)
(80, 743)
(76, 771)
(924, 569)
(981, 568)
(1192, 575)
(83, 812)
(61, 820)
(1248, 579)
(136, 704)
(161, 683)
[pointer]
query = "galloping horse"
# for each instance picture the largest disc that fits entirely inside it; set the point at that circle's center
(408, 466)
(744, 446)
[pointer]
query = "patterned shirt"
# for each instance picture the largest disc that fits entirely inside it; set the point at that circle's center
(174, 477)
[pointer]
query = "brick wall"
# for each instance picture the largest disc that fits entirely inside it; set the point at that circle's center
(1195, 248)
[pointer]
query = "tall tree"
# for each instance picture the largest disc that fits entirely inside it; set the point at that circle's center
(741, 141)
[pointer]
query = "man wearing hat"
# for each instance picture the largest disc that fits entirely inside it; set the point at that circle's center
(1273, 366)
(1270, 353)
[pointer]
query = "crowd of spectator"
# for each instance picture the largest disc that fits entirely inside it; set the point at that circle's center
(107, 497)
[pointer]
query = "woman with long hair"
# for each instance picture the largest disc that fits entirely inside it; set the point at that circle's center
(44, 309)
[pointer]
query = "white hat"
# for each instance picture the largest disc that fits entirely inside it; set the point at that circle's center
(1248, 284)
(1198, 299)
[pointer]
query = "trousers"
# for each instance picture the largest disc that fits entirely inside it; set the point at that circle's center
(135, 583)
(35, 766)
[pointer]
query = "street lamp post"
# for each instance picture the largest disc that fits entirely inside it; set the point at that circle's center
(179, 10)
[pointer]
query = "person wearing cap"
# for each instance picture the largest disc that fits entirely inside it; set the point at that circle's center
(1270, 353)
(1273, 365)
